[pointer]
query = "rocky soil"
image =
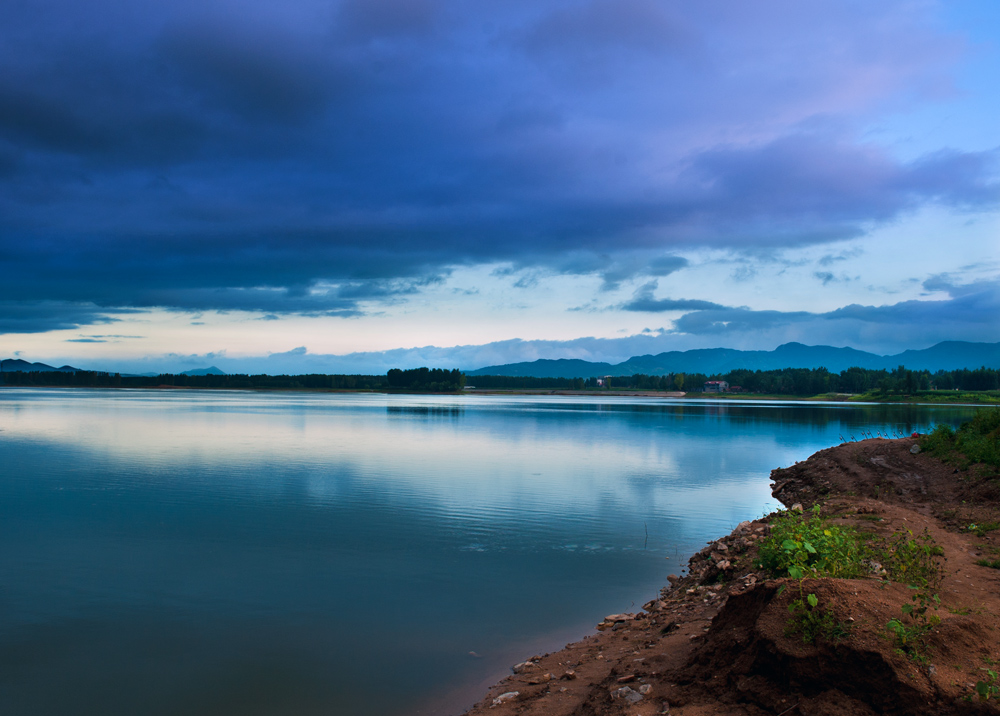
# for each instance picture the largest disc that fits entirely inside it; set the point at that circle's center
(717, 641)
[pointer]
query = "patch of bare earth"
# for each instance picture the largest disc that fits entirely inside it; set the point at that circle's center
(717, 641)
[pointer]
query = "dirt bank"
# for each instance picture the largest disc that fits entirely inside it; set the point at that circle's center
(718, 640)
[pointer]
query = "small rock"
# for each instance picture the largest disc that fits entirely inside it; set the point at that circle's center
(723, 565)
(503, 698)
(627, 679)
(523, 666)
(914, 450)
(797, 507)
(613, 620)
(644, 689)
(627, 694)
(541, 679)
(568, 675)
(721, 546)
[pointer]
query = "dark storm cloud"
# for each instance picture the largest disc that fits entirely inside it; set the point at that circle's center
(42, 316)
(322, 158)
(970, 310)
(255, 76)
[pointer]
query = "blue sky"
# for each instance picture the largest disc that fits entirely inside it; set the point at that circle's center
(357, 184)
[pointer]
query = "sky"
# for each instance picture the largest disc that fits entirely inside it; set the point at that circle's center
(353, 185)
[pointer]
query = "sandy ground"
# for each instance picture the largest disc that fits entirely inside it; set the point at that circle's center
(717, 641)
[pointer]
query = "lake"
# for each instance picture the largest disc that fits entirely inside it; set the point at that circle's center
(205, 552)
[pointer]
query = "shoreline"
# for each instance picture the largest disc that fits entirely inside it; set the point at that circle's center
(840, 398)
(716, 641)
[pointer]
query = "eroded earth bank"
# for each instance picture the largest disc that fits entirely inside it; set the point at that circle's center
(915, 631)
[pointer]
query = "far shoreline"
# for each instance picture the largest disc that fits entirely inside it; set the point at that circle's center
(984, 398)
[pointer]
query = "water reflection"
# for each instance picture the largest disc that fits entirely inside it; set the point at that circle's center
(269, 553)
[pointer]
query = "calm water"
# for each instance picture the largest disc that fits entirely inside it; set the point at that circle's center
(240, 553)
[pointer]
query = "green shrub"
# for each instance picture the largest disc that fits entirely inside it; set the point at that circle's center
(802, 545)
(978, 440)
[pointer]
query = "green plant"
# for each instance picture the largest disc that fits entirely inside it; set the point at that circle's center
(812, 622)
(911, 635)
(805, 544)
(978, 441)
(912, 559)
(991, 563)
(988, 688)
(980, 530)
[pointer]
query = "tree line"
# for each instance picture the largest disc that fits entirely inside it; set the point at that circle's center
(786, 381)
(98, 379)
(421, 380)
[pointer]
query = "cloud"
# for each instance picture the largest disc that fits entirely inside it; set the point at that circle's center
(968, 314)
(255, 73)
(324, 158)
(43, 316)
(109, 338)
(643, 300)
(830, 259)
(300, 351)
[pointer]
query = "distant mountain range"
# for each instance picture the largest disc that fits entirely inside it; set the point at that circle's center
(196, 371)
(11, 365)
(212, 370)
(949, 355)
